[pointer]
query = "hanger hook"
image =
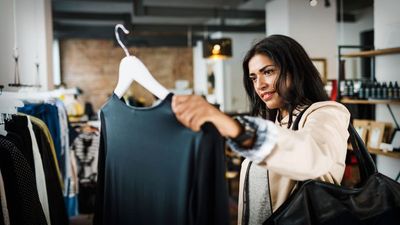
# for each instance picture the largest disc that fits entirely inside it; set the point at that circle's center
(118, 39)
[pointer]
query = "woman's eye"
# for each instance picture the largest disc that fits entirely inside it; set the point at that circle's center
(269, 72)
(253, 78)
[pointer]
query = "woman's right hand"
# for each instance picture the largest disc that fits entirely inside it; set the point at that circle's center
(193, 110)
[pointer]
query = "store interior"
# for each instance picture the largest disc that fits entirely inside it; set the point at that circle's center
(68, 50)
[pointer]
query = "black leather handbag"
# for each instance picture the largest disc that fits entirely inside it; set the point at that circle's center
(376, 200)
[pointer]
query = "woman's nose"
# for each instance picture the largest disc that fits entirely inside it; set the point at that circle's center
(261, 83)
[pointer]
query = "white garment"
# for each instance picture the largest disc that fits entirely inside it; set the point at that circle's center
(39, 174)
(62, 117)
(4, 201)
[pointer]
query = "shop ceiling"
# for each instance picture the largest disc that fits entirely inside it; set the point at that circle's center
(167, 22)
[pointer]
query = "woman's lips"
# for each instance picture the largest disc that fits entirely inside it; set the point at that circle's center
(267, 95)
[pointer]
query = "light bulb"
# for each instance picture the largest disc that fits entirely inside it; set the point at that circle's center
(313, 3)
(216, 49)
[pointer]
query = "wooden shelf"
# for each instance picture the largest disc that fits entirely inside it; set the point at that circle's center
(372, 101)
(384, 153)
(377, 151)
(385, 51)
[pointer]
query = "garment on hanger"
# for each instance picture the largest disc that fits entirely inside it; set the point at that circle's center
(4, 218)
(86, 148)
(58, 213)
(47, 150)
(19, 182)
(49, 114)
(22, 127)
(153, 170)
(39, 173)
(54, 117)
(17, 129)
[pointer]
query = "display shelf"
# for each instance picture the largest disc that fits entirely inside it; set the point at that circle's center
(384, 153)
(371, 101)
(385, 51)
(377, 151)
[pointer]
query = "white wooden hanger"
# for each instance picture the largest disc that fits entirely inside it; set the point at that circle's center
(132, 69)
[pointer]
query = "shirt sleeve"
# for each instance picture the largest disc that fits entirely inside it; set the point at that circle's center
(266, 136)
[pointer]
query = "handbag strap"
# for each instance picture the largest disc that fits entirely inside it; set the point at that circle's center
(366, 164)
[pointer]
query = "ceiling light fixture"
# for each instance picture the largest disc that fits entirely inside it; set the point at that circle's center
(313, 3)
(217, 48)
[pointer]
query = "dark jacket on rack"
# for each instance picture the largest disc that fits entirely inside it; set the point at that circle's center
(19, 183)
(19, 127)
(58, 212)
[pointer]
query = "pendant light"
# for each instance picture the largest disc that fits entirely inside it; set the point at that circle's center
(220, 48)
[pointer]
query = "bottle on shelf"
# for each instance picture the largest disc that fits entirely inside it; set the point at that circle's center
(378, 90)
(345, 89)
(367, 90)
(384, 91)
(396, 91)
(390, 91)
(361, 91)
(373, 90)
(351, 89)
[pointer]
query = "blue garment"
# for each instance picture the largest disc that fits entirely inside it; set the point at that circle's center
(49, 114)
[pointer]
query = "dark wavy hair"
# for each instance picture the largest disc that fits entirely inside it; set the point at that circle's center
(306, 86)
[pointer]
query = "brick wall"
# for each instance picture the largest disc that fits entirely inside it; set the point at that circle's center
(92, 65)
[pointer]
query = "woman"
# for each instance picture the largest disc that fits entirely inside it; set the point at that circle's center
(280, 81)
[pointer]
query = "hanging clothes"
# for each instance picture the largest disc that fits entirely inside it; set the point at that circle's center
(47, 149)
(4, 218)
(39, 173)
(153, 170)
(19, 133)
(49, 114)
(20, 187)
(58, 213)
(53, 114)
(86, 148)
(22, 127)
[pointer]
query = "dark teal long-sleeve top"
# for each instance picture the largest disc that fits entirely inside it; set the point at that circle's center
(153, 170)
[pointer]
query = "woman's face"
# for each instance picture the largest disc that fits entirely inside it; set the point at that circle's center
(264, 74)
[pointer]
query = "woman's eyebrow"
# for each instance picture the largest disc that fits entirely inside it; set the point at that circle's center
(264, 67)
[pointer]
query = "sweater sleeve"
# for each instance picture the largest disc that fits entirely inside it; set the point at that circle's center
(319, 147)
(266, 136)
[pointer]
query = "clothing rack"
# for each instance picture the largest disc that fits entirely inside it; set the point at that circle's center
(48, 141)
(41, 95)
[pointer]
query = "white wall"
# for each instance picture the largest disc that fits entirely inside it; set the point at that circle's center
(349, 34)
(387, 35)
(236, 98)
(313, 27)
(34, 41)
(230, 93)
(277, 17)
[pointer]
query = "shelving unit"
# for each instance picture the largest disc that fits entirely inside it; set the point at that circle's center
(386, 51)
(371, 53)
(377, 151)
(384, 153)
(371, 102)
